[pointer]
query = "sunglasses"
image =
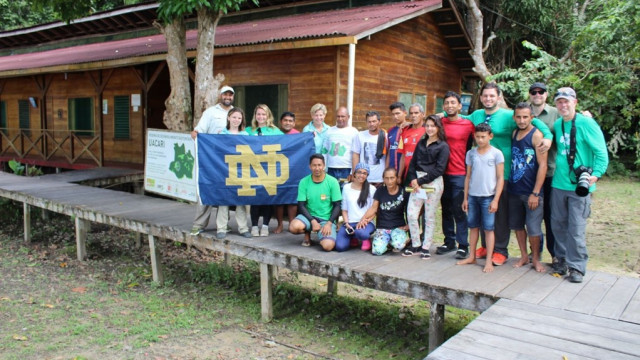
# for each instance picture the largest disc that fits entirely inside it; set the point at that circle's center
(537, 92)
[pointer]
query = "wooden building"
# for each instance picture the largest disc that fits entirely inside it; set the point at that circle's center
(83, 94)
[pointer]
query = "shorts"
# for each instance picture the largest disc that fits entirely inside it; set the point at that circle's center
(478, 214)
(520, 214)
(307, 227)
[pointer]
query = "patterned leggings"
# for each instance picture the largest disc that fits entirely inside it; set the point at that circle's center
(430, 206)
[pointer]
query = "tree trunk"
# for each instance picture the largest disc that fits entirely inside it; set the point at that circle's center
(477, 53)
(206, 86)
(177, 114)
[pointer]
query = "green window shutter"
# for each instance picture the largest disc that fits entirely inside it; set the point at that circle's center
(439, 105)
(23, 115)
(3, 117)
(81, 116)
(121, 117)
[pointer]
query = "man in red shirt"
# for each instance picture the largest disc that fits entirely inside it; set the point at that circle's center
(459, 137)
(410, 137)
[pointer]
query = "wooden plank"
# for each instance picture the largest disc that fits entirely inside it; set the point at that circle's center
(617, 298)
(82, 227)
(592, 293)
(522, 283)
(632, 311)
(444, 353)
(26, 214)
(539, 289)
(436, 326)
(266, 291)
(565, 292)
(156, 260)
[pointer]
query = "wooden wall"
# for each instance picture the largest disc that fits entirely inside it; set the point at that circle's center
(410, 57)
(309, 73)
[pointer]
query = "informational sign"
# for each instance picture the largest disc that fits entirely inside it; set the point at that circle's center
(170, 164)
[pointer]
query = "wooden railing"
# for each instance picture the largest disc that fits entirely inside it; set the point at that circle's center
(45, 144)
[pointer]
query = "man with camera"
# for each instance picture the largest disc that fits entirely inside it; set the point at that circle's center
(581, 160)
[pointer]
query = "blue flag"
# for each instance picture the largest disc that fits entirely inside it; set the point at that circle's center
(252, 170)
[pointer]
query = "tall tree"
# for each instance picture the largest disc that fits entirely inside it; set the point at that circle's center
(177, 114)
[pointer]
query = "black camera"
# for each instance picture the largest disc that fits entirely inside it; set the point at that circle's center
(583, 174)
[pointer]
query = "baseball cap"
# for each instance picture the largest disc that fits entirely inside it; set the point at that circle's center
(226, 88)
(538, 85)
(565, 93)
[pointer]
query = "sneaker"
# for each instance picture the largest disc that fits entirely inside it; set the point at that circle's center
(264, 231)
(560, 267)
(254, 231)
(366, 245)
(247, 235)
(444, 249)
(481, 253)
(425, 254)
(196, 231)
(498, 259)
(221, 235)
(575, 276)
(410, 251)
(462, 253)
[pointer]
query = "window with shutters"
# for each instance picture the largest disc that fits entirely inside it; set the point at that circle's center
(81, 116)
(24, 115)
(121, 129)
(3, 117)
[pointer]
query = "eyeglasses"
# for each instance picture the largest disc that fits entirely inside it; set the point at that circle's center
(487, 118)
(537, 92)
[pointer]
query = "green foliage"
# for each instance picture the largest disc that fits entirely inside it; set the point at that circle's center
(15, 14)
(172, 9)
(67, 10)
(20, 169)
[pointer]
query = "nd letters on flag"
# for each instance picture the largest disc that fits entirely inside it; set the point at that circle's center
(252, 170)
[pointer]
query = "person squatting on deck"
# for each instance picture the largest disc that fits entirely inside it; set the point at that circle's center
(357, 198)
(581, 160)
(526, 197)
(319, 201)
(482, 190)
(389, 209)
(426, 168)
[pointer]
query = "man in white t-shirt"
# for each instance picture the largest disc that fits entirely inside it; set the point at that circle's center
(369, 147)
(213, 120)
(337, 147)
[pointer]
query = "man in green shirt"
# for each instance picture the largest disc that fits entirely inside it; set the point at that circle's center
(502, 126)
(319, 205)
(582, 155)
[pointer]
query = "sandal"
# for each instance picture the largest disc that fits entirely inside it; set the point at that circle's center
(306, 243)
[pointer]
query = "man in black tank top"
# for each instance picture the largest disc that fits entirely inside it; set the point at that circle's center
(528, 171)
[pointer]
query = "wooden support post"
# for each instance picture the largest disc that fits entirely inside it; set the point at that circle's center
(266, 291)
(138, 239)
(227, 259)
(436, 326)
(156, 266)
(138, 189)
(332, 286)
(82, 227)
(45, 215)
(27, 222)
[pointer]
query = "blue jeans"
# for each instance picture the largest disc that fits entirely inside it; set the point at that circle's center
(343, 240)
(478, 214)
(454, 220)
(339, 173)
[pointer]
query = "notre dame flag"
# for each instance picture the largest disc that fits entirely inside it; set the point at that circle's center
(252, 170)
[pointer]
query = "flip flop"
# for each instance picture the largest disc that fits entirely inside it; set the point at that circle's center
(306, 243)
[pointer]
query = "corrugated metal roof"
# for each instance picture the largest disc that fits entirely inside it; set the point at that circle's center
(356, 22)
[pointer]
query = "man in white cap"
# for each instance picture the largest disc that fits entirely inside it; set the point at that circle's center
(581, 160)
(213, 120)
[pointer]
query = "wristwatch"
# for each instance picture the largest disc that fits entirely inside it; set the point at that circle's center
(536, 194)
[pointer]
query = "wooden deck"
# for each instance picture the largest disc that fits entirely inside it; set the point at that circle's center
(601, 296)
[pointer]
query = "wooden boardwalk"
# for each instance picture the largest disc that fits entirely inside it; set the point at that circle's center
(438, 280)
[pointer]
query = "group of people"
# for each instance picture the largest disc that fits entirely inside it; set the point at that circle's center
(493, 171)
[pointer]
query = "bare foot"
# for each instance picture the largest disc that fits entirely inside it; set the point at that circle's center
(488, 267)
(523, 261)
(278, 229)
(538, 266)
(466, 261)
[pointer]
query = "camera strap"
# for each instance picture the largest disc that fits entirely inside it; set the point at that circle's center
(571, 157)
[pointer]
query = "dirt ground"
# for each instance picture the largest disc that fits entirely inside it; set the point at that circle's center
(42, 278)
